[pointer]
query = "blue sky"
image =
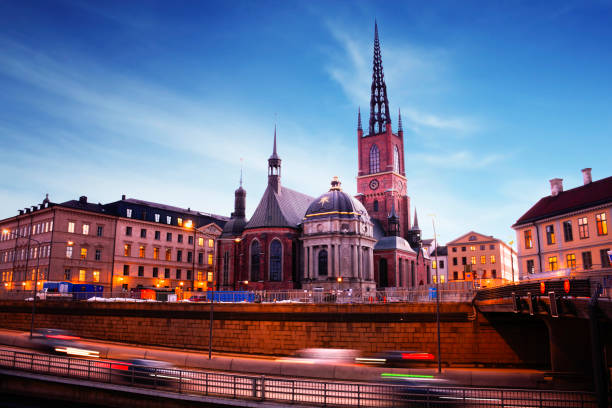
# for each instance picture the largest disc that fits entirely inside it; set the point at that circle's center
(161, 100)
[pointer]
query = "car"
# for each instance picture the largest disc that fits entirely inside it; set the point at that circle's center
(418, 391)
(397, 358)
(146, 372)
(198, 298)
(60, 341)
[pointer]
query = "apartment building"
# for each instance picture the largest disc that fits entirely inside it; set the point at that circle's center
(484, 259)
(566, 233)
(439, 263)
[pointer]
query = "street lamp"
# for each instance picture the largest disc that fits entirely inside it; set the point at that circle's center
(433, 217)
(17, 235)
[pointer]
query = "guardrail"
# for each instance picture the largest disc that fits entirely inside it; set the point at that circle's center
(288, 391)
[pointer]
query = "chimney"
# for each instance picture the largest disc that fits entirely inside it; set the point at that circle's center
(586, 176)
(83, 199)
(556, 186)
(34, 208)
(123, 197)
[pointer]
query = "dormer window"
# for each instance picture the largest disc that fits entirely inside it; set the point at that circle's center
(156, 217)
(168, 220)
(472, 238)
(128, 212)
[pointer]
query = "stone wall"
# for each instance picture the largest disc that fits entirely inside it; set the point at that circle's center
(467, 338)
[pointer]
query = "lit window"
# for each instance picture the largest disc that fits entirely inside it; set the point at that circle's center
(472, 248)
(483, 259)
(211, 243)
(473, 260)
(69, 252)
(127, 250)
(83, 253)
(201, 241)
(179, 221)
(552, 263)
(156, 217)
(71, 227)
(82, 275)
(528, 239)
(602, 224)
(210, 276)
(492, 259)
(441, 278)
(210, 259)
(155, 253)
(199, 275)
(141, 251)
(128, 212)
(550, 234)
(583, 227)
(434, 265)
(571, 260)
(168, 254)
(85, 229)
(96, 276)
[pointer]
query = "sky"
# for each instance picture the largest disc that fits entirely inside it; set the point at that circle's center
(164, 101)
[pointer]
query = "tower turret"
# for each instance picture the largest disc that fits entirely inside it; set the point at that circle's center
(274, 168)
(239, 200)
(393, 221)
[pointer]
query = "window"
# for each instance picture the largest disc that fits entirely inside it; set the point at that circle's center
(552, 263)
(180, 238)
(167, 273)
(70, 227)
(141, 271)
(82, 275)
(179, 255)
(210, 259)
(169, 236)
(587, 261)
(179, 222)
(605, 260)
(494, 274)
(583, 227)
(156, 217)
(528, 239)
(96, 276)
(126, 270)
(168, 254)
(454, 249)
(472, 238)
(190, 240)
(462, 249)
(127, 250)
(189, 256)
(276, 253)
(67, 274)
(226, 257)
(441, 264)
(472, 248)
(157, 235)
(178, 273)
(83, 253)
(98, 254)
(143, 233)
(155, 253)
(255, 261)
(492, 259)
(482, 247)
(200, 241)
(491, 246)
(100, 231)
(85, 229)
(567, 231)
(128, 212)
(571, 260)
(375, 205)
(141, 251)
(463, 260)
(168, 219)
(323, 262)
(155, 272)
(200, 258)
(374, 159)
(434, 265)
(473, 260)
(199, 276)
(211, 243)
(602, 224)
(188, 274)
(550, 234)
(530, 266)
(483, 259)
(69, 251)
(396, 159)
(455, 275)
(128, 231)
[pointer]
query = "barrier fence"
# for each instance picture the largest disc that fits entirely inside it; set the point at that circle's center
(399, 392)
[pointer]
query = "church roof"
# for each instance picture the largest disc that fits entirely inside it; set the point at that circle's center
(283, 209)
(393, 242)
(336, 203)
(234, 227)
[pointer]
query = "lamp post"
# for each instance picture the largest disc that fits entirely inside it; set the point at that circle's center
(433, 217)
(17, 236)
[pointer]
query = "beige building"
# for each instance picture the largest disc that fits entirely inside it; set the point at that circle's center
(566, 233)
(483, 259)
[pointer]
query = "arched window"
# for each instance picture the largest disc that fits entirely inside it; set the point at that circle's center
(413, 275)
(401, 272)
(323, 262)
(382, 274)
(226, 260)
(255, 261)
(276, 255)
(375, 205)
(374, 159)
(396, 160)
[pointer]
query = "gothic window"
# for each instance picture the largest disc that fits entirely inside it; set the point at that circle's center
(276, 253)
(323, 262)
(374, 159)
(255, 261)
(396, 160)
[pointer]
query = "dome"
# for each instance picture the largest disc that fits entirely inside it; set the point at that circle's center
(336, 203)
(234, 227)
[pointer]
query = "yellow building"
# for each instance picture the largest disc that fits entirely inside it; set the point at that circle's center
(483, 259)
(566, 233)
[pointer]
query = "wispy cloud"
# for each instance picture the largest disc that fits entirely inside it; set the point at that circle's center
(463, 159)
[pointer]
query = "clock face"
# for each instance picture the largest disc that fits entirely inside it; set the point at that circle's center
(374, 184)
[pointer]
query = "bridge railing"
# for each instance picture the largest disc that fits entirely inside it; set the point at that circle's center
(399, 392)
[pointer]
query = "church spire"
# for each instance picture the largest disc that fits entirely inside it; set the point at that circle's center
(379, 104)
(274, 168)
(359, 118)
(399, 121)
(415, 224)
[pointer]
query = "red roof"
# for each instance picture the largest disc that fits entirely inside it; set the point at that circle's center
(589, 195)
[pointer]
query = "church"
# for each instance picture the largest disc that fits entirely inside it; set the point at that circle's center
(364, 242)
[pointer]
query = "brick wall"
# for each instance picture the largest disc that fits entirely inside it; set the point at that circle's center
(466, 339)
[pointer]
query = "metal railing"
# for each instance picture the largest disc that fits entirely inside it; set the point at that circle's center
(286, 391)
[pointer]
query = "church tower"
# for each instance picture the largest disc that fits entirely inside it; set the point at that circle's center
(381, 182)
(274, 169)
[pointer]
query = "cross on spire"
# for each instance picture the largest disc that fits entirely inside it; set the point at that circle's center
(379, 104)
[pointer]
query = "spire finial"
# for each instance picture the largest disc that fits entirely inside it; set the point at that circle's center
(274, 152)
(379, 104)
(399, 121)
(415, 224)
(241, 165)
(359, 118)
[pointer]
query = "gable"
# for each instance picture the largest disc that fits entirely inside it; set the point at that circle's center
(471, 238)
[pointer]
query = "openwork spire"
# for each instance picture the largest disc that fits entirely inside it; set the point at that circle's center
(379, 104)
(359, 119)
